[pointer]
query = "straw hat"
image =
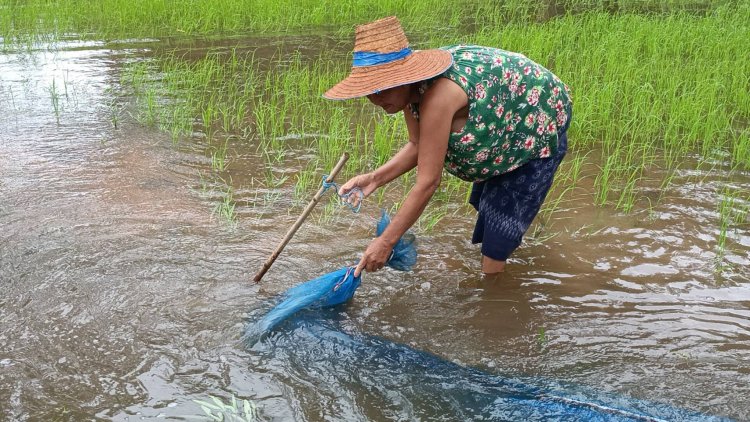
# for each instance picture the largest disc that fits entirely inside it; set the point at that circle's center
(383, 60)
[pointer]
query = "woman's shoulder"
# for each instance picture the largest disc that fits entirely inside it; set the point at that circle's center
(444, 95)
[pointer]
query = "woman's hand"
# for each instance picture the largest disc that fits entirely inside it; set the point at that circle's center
(375, 256)
(366, 182)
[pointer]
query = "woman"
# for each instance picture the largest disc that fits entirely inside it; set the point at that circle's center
(486, 115)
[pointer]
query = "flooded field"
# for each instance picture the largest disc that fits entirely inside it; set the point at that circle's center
(126, 262)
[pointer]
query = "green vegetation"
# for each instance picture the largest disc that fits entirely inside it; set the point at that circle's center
(24, 20)
(657, 85)
(733, 214)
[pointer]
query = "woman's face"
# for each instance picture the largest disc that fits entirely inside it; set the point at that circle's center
(392, 100)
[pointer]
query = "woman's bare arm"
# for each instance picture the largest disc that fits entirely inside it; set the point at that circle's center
(405, 159)
(440, 104)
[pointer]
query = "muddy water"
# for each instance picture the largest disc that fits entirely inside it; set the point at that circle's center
(123, 295)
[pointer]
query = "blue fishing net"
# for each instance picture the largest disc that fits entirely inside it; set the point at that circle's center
(330, 289)
(352, 371)
(408, 384)
(404, 255)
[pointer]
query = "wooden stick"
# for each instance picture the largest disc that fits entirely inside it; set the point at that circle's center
(301, 218)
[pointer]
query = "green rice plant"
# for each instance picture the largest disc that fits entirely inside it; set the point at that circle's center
(538, 233)
(741, 149)
(239, 109)
(576, 163)
(112, 19)
(12, 99)
(604, 180)
(741, 214)
(450, 189)
(429, 219)
(114, 114)
(65, 83)
(726, 205)
(208, 114)
(331, 209)
(359, 143)
(666, 182)
(114, 107)
(225, 115)
(45, 21)
(179, 122)
(147, 114)
(270, 197)
(541, 339)
(551, 205)
(264, 116)
(203, 181)
(272, 180)
(135, 75)
(628, 194)
(219, 157)
(225, 209)
(338, 135)
(732, 210)
(307, 179)
(276, 156)
(390, 135)
(55, 98)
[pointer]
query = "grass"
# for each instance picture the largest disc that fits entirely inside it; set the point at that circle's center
(21, 20)
(55, 99)
(224, 208)
(732, 210)
(42, 20)
(541, 339)
(219, 160)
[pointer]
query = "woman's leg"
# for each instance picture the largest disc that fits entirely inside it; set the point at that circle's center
(492, 266)
(506, 206)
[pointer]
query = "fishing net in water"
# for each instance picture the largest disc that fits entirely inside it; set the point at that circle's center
(330, 289)
(404, 255)
(353, 371)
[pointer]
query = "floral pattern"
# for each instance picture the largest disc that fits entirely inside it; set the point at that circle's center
(516, 108)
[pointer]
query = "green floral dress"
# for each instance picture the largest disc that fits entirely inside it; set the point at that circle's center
(516, 108)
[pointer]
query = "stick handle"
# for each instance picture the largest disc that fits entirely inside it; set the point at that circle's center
(301, 218)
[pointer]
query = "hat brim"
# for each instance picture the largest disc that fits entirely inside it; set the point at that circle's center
(418, 66)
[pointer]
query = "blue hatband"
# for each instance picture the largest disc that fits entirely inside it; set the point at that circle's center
(372, 58)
